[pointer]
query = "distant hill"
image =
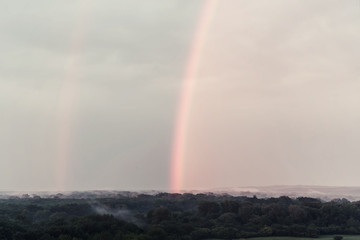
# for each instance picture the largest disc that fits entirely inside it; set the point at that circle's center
(326, 193)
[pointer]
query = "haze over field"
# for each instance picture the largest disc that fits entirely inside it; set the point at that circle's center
(89, 93)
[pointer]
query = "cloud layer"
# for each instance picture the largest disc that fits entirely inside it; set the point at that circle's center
(91, 87)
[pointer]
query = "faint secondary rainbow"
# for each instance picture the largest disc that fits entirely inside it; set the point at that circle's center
(182, 119)
(67, 98)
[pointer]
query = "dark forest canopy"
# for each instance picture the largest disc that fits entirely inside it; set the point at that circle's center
(174, 216)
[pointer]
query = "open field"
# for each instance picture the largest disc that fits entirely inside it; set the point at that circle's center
(330, 237)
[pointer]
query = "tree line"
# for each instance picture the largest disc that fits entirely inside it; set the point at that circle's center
(175, 216)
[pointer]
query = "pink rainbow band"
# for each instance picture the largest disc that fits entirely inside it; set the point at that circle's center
(189, 80)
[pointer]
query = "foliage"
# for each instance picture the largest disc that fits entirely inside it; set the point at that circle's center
(174, 216)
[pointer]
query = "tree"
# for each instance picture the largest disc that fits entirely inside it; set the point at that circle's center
(228, 218)
(297, 214)
(266, 231)
(207, 208)
(230, 206)
(156, 233)
(159, 214)
(201, 233)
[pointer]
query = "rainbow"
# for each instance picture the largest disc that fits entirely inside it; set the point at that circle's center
(182, 119)
(68, 94)
(67, 98)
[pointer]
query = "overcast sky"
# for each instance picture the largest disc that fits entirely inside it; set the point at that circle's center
(89, 93)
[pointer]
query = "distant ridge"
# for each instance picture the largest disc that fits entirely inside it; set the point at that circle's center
(326, 193)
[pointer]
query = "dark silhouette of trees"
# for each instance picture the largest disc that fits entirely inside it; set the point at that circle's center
(208, 209)
(167, 216)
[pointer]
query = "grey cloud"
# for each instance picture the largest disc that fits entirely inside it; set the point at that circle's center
(277, 78)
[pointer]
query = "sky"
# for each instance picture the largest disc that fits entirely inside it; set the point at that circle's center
(90, 93)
